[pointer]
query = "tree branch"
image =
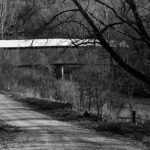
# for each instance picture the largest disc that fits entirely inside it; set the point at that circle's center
(109, 49)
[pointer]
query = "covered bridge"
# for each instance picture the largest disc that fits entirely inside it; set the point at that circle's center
(57, 56)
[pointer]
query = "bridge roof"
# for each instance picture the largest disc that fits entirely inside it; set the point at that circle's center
(33, 43)
(45, 43)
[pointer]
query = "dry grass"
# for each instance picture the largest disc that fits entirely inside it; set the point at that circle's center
(60, 111)
(7, 133)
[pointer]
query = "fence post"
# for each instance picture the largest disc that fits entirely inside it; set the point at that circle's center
(134, 117)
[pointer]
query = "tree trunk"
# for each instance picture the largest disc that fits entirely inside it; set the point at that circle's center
(98, 113)
(90, 101)
(81, 100)
(110, 50)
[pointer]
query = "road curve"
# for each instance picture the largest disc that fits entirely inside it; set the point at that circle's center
(44, 133)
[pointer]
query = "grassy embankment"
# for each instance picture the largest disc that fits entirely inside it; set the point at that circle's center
(63, 112)
(7, 133)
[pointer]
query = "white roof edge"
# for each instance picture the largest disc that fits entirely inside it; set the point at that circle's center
(42, 42)
(48, 43)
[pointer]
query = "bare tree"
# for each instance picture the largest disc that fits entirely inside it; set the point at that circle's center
(139, 29)
(3, 15)
(129, 20)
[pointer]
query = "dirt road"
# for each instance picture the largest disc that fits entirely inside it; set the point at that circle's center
(43, 133)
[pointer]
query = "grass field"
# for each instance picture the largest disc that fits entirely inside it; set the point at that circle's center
(61, 111)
